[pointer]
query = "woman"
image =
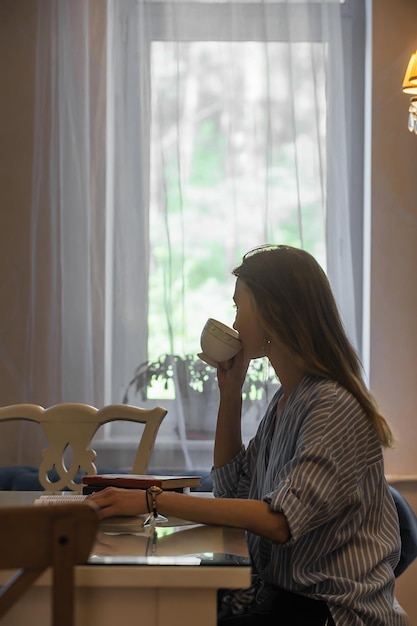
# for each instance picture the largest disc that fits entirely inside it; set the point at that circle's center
(310, 488)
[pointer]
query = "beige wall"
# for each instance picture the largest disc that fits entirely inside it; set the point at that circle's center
(393, 364)
(394, 230)
(17, 40)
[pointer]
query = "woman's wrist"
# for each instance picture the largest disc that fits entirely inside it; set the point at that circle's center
(231, 404)
(148, 506)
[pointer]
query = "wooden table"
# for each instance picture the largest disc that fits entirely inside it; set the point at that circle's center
(136, 578)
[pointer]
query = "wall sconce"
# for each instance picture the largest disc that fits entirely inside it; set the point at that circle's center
(410, 86)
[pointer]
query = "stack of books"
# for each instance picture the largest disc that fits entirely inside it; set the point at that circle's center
(93, 483)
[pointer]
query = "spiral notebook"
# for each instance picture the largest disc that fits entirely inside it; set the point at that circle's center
(53, 498)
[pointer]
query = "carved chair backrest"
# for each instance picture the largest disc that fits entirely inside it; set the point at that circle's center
(74, 425)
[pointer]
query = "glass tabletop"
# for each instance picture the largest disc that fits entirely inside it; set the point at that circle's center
(174, 543)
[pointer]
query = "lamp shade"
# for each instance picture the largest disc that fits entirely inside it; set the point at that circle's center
(410, 78)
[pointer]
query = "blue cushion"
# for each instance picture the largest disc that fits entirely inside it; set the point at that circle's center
(19, 479)
(408, 531)
(24, 478)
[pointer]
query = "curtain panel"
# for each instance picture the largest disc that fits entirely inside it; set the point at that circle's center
(171, 137)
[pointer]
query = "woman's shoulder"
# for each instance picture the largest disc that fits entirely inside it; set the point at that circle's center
(327, 410)
(318, 390)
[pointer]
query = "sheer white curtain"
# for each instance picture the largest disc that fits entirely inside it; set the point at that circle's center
(171, 138)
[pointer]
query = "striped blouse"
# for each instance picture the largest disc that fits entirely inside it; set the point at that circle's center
(321, 465)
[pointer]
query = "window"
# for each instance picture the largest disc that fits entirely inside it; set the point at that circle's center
(226, 172)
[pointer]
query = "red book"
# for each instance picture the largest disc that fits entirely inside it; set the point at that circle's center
(140, 481)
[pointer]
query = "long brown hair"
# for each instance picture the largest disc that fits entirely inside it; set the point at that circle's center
(296, 303)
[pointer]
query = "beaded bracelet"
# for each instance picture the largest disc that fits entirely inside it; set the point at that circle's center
(153, 491)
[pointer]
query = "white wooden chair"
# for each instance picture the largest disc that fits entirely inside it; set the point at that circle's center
(74, 425)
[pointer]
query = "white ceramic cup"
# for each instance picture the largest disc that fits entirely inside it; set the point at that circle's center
(218, 342)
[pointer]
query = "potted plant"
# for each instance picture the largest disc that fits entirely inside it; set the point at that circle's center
(195, 383)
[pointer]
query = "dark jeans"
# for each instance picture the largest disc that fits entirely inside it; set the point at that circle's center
(277, 607)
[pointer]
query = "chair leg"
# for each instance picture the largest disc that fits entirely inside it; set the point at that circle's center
(16, 586)
(63, 569)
